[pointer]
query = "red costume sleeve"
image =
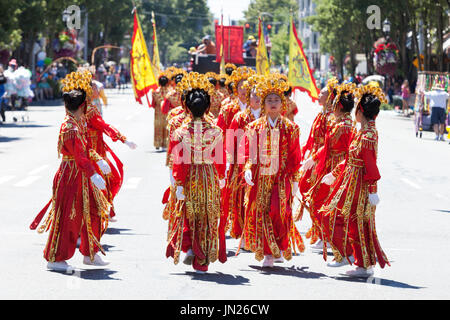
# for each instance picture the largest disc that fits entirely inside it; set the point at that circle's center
(153, 100)
(371, 172)
(166, 106)
(295, 153)
(179, 168)
(98, 123)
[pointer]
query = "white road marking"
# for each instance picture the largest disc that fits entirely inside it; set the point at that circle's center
(27, 181)
(6, 179)
(132, 183)
(37, 170)
(412, 184)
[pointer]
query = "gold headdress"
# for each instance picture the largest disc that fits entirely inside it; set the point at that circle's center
(193, 81)
(369, 89)
(251, 83)
(212, 75)
(79, 80)
(230, 65)
(332, 84)
(240, 74)
(345, 87)
(272, 85)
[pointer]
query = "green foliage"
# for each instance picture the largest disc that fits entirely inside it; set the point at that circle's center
(280, 46)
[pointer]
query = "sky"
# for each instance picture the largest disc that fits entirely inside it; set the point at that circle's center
(232, 9)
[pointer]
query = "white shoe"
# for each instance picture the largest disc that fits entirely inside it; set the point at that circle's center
(359, 272)
(317, 245)
(200, 272)
(98, 261)
(280, 259)
(268, 262)
(59, 266)
(344, 262)
(189, 257)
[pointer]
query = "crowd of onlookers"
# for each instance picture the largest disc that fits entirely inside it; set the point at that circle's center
(19, 86)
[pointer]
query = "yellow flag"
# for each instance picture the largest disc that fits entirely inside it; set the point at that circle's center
(262, 60)
(141, 68)
(300, 75)
(155, 61)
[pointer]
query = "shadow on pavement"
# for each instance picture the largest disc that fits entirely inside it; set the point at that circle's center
(9, 139)
(443, 211)
(90, 274)
(299, 272)
(115, 231)
(22, 125)
(219, 278)
(379, 281)
(108, 248)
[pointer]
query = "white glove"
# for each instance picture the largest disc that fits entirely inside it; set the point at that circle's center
(98, 181)
(104, 166)
(309, 163)
(329, 179)
(172, 179)
(248, 178)
(374, 199)
(222, 183)
(131, 145)
(179, 193)
(294, 188)
(228, 168)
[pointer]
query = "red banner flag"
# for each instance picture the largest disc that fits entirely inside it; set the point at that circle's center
(232, 44)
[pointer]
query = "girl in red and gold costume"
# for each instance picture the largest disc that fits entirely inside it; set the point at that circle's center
(238, 77)
(348, 215)
(78, 206)
(271, 170)
(199, 173)
(172, 99)
(160, 138)
(96, 127)
(233, 214)
(217, 98)
(334, 150)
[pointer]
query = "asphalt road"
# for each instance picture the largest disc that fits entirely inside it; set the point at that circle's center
(413, 222)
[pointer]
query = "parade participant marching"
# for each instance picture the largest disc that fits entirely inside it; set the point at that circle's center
(222, 86)
(291, 106)
(314, 143)
(173, 97)
(98, 93)
(160, 138)
(96, 127)
(217, 98)
(335, 149)
(233, 212)
(271, 170)
(348, 216)
(78, 207)
(238, 77)
(199, 173)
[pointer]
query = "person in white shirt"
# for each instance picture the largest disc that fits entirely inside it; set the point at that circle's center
(438, 102)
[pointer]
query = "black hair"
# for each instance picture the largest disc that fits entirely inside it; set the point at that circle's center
(222, 82)
(213, 81)
(347, 101)
(197, 101)
(178, 78)
(288, 92)
(370, 106)
(163, 81)
(229, 71)
(231, 87)
(74, 99)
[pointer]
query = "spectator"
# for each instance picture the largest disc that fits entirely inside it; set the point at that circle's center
(247, 45)
(2, 92)
(405, 97)
(207, 47)
(47, 90)
(438, 103)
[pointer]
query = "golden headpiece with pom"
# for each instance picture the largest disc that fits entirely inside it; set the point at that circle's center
(345, 87)
(79, 80)
(272, 84)
(251, 83)
(212, 75)
(369, 89)
(195, 81)
(241, 74)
